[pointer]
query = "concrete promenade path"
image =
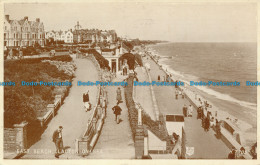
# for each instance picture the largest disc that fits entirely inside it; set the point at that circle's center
(206, 145)
(115, 140)
(143, 93)
(71, 116)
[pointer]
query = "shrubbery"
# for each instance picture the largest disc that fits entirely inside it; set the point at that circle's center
(157, 127)
(28, 102)
(104, 64)
(138, 59)
(133, 114)
(132, 59)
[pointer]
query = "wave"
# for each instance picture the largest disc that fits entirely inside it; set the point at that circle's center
(186, 78)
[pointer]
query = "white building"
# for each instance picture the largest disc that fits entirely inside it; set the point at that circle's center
(66, 36)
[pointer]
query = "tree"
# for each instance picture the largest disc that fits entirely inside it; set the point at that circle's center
(50, 41)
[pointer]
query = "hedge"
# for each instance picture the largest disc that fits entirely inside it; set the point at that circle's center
(157, 127)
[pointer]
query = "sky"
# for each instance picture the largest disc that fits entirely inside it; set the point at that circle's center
(176, 22)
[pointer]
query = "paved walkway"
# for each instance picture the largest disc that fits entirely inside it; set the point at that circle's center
(71, 116)
(115, 141)
(143, 93)
(206, 145)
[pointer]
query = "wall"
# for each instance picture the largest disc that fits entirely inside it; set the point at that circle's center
(155, 143)
(175, 127)
(15, 139)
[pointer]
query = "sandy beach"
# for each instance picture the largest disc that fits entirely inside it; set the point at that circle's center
(226, 110)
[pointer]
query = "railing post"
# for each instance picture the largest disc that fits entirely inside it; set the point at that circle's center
(99, 111)
(50, 107)
(21, 136)
(139, 117)
(58, 97)
(94, 124)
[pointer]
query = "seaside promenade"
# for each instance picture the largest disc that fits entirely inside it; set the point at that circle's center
(115, 140)
(203, 143)
(142, 94)
(71, 116)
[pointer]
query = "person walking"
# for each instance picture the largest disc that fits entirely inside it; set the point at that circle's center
(182, 93)
(184, 109)
(118, 95)
(117, 111)
(218, 129)
(176, 94)
(199, 112)
(203, 121)
(190, 111)
(207, 123)
(86, 100)
(57, 139)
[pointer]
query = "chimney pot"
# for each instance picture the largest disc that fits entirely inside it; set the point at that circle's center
(26, 18)
(7, 17)
(37, 19)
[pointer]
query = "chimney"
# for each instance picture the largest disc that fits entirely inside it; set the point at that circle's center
(26, 18)
(7, 17)
(37, 19)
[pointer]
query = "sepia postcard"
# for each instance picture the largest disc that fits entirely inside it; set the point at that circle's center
(118, 81)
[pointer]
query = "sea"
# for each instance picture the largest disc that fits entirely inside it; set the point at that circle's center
(226, 62)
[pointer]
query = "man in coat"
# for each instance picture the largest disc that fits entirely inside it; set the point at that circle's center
(117, 111)
(57, 139)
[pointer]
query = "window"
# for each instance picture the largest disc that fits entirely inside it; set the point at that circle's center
(5, 43)
(4, 35)
(5, 27)
(14, 35)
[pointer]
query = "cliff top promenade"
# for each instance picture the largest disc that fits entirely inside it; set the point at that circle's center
(204, 143)
(115, 140)
(71, 116)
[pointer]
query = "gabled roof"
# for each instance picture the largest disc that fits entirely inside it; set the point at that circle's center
(21, 22)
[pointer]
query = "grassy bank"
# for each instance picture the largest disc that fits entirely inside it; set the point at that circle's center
(29, 102)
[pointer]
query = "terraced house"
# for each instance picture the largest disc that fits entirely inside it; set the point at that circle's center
(94, 35)
(66, 36)
(22, 33)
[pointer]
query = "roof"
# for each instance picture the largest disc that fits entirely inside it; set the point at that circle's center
(22, 21)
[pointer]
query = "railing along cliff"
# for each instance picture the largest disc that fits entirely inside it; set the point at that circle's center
(86, 143)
